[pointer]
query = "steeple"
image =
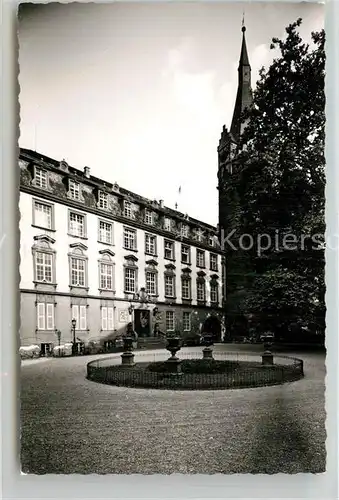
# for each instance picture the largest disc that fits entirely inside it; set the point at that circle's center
(244, 93)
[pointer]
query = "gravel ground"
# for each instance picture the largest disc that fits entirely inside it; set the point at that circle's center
(71, 425)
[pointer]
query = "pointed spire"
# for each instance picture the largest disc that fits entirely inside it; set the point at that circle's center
(244, 93)
(243, 61)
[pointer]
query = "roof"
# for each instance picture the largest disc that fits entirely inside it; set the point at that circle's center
(39, 157)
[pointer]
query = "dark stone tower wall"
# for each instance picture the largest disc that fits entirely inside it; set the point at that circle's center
(236, 266)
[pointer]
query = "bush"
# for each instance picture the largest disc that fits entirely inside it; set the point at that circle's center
(196, 366)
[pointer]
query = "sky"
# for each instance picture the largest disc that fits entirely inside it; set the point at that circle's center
(139, 92)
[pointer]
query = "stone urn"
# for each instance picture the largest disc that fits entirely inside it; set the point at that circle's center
(268, 341)
(267, 357)
(174, 363)
(128, 344)
(127, 357)
(173, 345)
(208, 339)
(208, 342)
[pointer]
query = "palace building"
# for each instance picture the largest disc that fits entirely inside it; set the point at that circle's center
(96, 253)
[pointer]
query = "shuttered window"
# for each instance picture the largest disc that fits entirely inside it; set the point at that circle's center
(110, 318)
(50, 316)
(79, 313)
(104, 318)
(41, 316)
(83, 319)
(45, 316)
(107, 322)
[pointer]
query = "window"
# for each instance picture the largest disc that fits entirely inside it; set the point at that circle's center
(42, 215)
(148, 217)
(214, 292)
(200, 235)
(106, 276)
(43, 260)
(185, 254)
(167, 224)
(107, 318)
(79, 313)
(41, 178)
(130, 239)
(45, 316)
(170, 321)
(74, 190)
(184, 230)
(76, 224)
(169, 286)
(105, 232)
(44, 267)
(186, 289)
(201, 291)
(103, 200)
(211, 241)
(169, 250)
(129, 280)
(127, 209)
(213, 262)
(151, 283)
(78, 272)
(200, 258)
(150, 244)
(186, 321)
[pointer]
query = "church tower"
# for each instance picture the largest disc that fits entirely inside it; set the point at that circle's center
(233, 269)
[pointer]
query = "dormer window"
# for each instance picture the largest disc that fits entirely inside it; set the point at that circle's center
(184, 230)
(200, 235)
(74, 190)
(41, 178)
(127, 209)
(148, 217)
(103, 200)
(167, 224)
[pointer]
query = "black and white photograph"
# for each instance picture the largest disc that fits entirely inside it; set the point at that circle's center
(172, 238)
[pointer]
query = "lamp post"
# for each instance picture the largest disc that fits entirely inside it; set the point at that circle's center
(74, 322)
(58, 334)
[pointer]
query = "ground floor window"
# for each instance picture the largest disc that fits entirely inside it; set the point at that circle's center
(107, 318)
(45, 313)
(170, 321)
(79, 313)
(186, 321)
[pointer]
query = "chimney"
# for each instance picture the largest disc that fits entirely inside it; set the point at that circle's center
(87, 172)
(161, 203)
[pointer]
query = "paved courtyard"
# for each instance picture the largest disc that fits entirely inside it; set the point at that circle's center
(71, 425)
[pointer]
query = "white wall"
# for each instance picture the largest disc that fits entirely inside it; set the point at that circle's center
(63, 240)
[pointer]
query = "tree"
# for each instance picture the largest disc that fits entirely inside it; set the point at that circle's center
(280, 184)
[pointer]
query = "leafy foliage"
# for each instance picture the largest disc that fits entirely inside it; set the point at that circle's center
(280, 184)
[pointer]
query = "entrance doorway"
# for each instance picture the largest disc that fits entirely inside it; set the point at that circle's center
(212, 326)
(142, 322)
(46, 349)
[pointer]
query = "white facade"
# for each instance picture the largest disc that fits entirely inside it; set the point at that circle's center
(63, 240)
(74, 261)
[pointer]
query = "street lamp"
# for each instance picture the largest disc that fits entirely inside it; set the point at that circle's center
(58, 334)
(74, 322)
